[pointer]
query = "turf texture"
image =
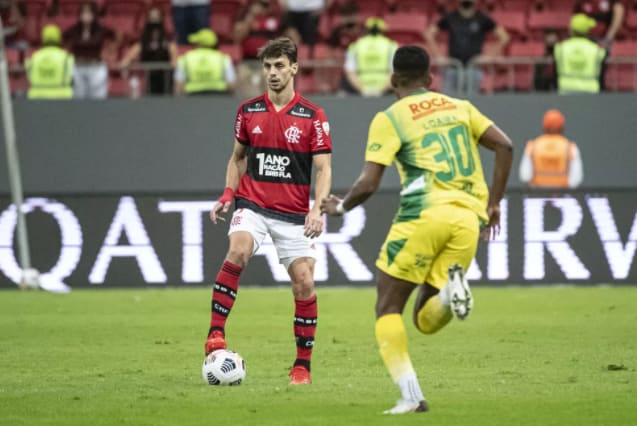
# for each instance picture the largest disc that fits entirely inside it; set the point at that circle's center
(525, 356)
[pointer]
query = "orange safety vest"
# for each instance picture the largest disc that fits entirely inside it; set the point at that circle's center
(551, 157)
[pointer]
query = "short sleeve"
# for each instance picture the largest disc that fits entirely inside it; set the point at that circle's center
(443, 23)
(478, 122)
(240, 133)
(180, 70)
(488, 24)
(321, 136)
(382, 142)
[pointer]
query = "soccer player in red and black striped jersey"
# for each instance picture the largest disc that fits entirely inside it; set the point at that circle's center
(279, 137)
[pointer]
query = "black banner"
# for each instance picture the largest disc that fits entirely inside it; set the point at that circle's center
(129, 241)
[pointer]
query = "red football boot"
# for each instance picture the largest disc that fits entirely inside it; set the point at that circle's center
(299, 375)
(215, 341)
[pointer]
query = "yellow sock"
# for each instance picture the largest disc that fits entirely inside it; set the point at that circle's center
(433, 316)
(392, 343)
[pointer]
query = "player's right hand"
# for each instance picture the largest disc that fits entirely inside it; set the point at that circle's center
(222, 206)
(219, 207)
(493, 228)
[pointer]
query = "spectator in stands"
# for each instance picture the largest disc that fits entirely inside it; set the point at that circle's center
(368, 61)
(544, 74)
(348, 28)
(551, 160)
(259, 22)
(155, 46)
(578, 60)
(13, 23)
(204, 70)
(302, 16)
(467, 28)
(86, 40)
(189, 16)
(50, 68)
(609, 16)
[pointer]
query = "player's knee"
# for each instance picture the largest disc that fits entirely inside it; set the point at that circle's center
(303, 286)
(239, 256)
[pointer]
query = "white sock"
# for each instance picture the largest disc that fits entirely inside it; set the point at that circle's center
(409, 387)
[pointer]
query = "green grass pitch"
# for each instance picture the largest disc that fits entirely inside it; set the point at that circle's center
(526, 356)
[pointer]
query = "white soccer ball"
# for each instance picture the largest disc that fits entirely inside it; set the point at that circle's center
(223, 367)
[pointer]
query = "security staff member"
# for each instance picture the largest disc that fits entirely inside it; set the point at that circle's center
(551, 160)
(368, 61)
(50, 69)
(578, 60)
(204, 70)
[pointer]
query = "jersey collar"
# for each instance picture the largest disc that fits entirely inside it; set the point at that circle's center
(286, 108)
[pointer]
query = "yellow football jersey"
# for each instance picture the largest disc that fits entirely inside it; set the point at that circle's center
(434, 140)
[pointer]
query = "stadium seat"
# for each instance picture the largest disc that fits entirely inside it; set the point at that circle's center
(222, 24)
(513, 21)
(322, 51)
(226, 7)
(234, 50)
(13, 56)
(32, 30)
(72, 7)
(631, 23)
(63, 21)
(622, 76)
(123, 24)
(35, 8)
(549, 19)
(523, 74)
(371, 7)
(132, 8)
(416, 6)
(406, 28)
(513, 5)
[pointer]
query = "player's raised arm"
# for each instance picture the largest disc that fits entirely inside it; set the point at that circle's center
(236, 168)
(496, 140)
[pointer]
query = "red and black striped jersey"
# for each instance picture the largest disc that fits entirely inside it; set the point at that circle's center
(281, 145)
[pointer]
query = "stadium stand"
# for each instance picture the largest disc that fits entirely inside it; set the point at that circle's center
(525, 20)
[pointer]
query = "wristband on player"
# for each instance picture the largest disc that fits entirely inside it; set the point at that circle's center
(340, 208)
(228, 195)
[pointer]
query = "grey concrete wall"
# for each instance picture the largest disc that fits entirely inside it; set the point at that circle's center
(164, 145)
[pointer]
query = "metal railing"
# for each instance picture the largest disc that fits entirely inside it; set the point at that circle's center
(497, 74)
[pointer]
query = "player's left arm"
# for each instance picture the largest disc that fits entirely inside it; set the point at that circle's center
(322, 163)
(496, 140)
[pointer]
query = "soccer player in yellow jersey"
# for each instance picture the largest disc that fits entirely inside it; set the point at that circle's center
(444, 203)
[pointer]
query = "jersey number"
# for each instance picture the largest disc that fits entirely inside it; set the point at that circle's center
(462, 158)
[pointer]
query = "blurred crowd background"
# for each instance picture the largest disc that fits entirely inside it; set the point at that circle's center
(132, 48)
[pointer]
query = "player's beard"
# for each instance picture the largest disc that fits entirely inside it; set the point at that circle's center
(279, 86)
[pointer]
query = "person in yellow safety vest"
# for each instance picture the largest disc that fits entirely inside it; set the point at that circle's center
(50, 68)
(551, 160)
(578, 60)
(204, 70)
(368, 61)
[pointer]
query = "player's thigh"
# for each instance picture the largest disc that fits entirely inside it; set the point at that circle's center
(461, 247)
(411, 247)
(290, 242)
(246, 233)
(391, 294)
